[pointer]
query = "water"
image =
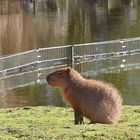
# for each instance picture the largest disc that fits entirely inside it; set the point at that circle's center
(64, 22)
(25, 25)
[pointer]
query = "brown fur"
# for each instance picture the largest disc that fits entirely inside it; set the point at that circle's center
(100, 102)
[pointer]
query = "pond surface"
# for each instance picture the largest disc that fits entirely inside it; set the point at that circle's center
(25, 25)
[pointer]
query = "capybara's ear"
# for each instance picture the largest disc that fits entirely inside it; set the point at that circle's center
(68, 70)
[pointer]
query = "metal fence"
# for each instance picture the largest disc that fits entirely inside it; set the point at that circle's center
(31, 67)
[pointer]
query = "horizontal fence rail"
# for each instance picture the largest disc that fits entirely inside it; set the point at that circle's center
(31, 67)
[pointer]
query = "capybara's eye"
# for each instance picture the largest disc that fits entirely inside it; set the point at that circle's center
(59, 73)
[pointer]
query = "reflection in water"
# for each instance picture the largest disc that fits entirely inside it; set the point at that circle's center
(25, 25)
(31, 96)
(133, 12)
(11, 24)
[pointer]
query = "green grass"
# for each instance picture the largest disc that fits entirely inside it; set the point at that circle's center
(54, 123)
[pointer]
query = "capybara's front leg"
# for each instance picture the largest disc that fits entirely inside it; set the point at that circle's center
(78, 118)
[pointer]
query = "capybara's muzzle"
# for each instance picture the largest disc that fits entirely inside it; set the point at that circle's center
(48, 78)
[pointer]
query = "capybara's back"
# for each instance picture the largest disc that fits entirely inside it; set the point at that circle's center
(98, 101)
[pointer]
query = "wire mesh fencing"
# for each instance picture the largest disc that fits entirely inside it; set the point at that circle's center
(31, 67)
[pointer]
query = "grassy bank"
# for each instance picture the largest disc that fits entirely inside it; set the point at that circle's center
(46, 123)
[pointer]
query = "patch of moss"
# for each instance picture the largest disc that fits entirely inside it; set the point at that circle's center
(46, 123)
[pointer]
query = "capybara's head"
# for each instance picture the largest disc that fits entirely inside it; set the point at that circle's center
(59, 77)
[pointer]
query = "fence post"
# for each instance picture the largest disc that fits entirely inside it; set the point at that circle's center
(72, 56)
(38, 56)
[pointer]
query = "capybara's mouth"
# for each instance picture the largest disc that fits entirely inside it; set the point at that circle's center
(49, 80)
(51, 83)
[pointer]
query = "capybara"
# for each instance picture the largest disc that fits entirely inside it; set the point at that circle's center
(98, 101)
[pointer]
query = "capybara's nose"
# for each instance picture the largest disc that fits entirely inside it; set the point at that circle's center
(48, 78)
